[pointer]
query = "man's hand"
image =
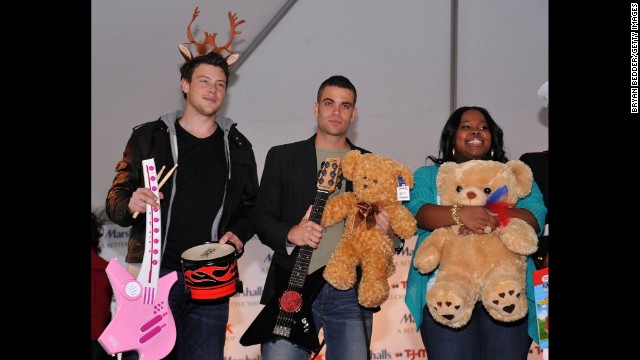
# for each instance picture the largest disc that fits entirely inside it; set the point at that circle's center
(383, 223)
(141, 198)
(234, 240)
(306, 232)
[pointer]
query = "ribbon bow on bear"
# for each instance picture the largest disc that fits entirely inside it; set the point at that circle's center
(366, 211)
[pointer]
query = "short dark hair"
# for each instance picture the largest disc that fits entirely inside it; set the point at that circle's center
(447, 138)
(211, 58)
(341, 82)
(96, 232)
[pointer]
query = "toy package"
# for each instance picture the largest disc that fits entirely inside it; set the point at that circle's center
(541, 293)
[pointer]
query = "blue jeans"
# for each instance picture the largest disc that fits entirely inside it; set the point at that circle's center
(341, 317)
(482, 338)
(201, 327)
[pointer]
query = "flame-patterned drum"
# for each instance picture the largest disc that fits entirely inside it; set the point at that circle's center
(211, 272)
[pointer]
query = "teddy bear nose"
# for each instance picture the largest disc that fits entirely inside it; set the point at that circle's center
(471, 195)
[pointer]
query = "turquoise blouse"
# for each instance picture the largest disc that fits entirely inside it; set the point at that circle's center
(424, 192)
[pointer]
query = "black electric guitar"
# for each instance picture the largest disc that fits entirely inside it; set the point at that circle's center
(288, 314)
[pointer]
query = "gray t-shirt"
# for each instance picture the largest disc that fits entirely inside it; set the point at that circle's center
(330, 235)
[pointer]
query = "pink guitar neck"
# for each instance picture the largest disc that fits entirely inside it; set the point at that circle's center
(143, 321)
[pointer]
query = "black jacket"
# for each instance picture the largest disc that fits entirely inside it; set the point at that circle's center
(154, 140)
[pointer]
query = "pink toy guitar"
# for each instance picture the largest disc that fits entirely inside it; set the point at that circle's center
(143, 321)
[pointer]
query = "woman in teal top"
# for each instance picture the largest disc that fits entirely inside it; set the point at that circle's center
(470, 133)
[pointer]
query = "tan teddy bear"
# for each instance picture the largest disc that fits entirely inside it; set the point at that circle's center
(489, 266)
(375, 183)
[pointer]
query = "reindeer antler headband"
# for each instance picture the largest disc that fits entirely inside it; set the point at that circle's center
(209, 43)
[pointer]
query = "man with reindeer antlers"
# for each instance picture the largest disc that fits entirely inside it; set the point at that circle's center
(208, 199)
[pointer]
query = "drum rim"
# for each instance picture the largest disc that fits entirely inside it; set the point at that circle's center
(232, 253)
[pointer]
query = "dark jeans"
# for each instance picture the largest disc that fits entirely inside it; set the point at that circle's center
(341, 317)
(483, 338)
(201, 327)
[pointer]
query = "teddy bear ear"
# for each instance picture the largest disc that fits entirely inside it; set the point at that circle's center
(445, 170)
(524, 177)
(349, 162)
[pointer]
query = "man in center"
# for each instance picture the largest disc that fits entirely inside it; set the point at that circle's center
(285, 199)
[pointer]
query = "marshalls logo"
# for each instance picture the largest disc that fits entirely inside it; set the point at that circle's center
(266, 263)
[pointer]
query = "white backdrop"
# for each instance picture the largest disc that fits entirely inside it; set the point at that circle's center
(394, 330)
(397, 54)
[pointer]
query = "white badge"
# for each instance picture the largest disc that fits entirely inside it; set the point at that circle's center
(403, 193)
(403, 190)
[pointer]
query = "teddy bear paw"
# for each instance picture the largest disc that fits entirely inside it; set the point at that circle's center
(338, 281)
(339, 276)
(372, 294)
(519, 237)
(448, 309)
(426, 259)
(506, 302)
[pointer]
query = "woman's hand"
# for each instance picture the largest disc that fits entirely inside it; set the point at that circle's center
(476, 220)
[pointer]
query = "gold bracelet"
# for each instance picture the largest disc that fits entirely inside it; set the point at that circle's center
(454, 214)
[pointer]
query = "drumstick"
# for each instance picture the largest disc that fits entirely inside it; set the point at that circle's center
(161, 170)
(135, 215)
(167, 177)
